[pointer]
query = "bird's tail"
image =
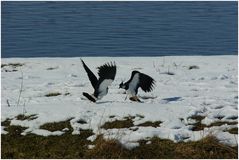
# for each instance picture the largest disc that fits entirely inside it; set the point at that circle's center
(90, 97)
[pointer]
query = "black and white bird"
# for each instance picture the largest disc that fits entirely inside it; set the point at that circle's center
(137, 79)
(106, 74)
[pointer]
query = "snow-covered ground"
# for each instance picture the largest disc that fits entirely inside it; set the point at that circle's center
(210, 91)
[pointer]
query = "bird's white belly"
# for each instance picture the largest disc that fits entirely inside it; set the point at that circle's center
(103, 88)
(130, 92)
(102, 93)
(132, 85)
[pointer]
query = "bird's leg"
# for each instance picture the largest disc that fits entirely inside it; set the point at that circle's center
(126, 97)
(134, 98)
(138, 100)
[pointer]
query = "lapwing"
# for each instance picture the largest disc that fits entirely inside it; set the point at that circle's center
(137, 79)
(106, 74)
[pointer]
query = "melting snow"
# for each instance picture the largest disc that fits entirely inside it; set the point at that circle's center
(210, 91)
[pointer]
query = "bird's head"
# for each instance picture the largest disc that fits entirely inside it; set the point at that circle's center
(122, 85)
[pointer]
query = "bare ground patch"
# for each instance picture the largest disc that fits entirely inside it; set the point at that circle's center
(76, 146)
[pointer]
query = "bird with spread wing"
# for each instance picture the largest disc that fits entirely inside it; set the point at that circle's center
(137, 79)
(106, 74)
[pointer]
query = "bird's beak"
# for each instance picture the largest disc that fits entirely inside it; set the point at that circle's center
(121, 84)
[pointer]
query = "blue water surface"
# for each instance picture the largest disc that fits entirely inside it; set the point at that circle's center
(69, 29)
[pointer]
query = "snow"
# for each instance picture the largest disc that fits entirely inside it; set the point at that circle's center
(3, 131)
(45, 132)
(149, 142)
(91, 146)
(210, 91)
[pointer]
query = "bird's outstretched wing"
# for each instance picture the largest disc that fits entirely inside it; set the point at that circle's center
(107, 74)
(146, 82)
(91, 75)
(107, 71)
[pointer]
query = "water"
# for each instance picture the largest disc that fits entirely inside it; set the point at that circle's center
(68, 29)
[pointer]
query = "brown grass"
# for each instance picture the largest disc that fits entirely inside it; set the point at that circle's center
(149, 123)
(3, 65)
(197, 117)
(52, 94)
(106, 149)
(140, 116)
(52, 68)
(127, 123)
(193, 67)
(33, 146)
(12, 64)
(25, 117)
(220, 123)
(67, 93)
(56, 126)
(209, 147)
(6, 122)
(199, 126)
(75, 146)
(233, 130)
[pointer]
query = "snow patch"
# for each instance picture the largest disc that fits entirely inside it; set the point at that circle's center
(209, 91)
